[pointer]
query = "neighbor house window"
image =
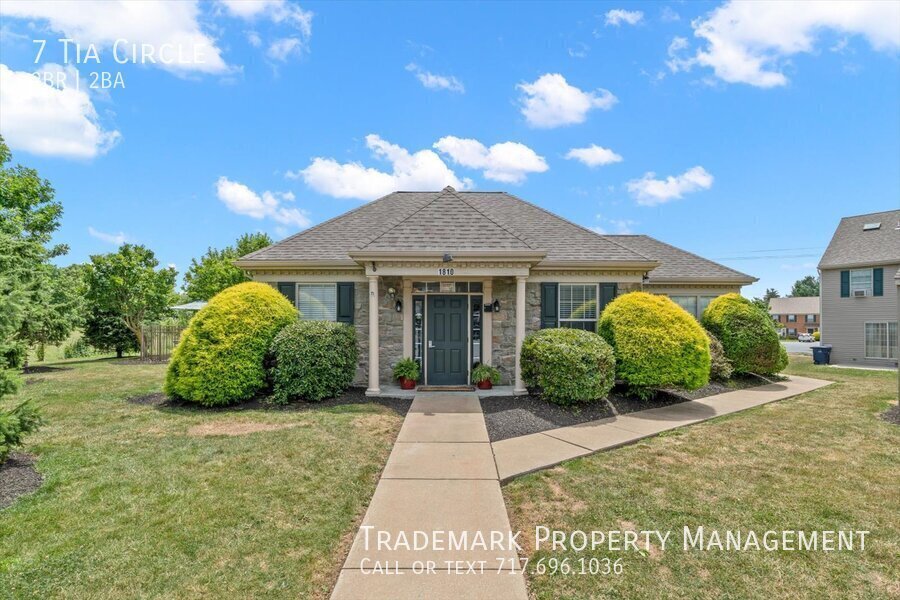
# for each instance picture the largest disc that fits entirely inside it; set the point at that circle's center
(810, 318)
(881, 340)
(688, 303)
(861, 279)
(317, 301)
(578, 306)
(792, 332)
(776, 318)
(792, 318)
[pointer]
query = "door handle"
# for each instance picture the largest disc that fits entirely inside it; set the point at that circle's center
(430, 344)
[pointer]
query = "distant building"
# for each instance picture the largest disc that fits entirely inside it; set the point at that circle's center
(793, 316)
(859, 303)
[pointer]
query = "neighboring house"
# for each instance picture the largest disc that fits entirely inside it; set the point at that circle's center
(452, 279)
(859, 304)
(793, 316)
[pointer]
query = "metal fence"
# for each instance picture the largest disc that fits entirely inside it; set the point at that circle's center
(159, 340)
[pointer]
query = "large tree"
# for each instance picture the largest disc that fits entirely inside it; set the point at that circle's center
(107, 331)
(29, 215)
(214, 272)
(128, 283)
(54, 309)
(808, 286)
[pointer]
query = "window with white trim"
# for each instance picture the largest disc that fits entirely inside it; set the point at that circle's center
(688, 303)
(881, 339)
(861, 279)
(578, 306)
(810, 318)
(792, 318)
(317, 301)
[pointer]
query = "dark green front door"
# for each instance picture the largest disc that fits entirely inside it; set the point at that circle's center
(447, 340)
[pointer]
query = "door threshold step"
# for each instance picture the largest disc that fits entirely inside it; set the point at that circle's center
(445, 388)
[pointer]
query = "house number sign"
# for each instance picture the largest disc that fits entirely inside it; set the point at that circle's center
(445, 271)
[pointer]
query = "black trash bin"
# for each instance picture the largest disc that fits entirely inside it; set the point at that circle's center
(821, 354)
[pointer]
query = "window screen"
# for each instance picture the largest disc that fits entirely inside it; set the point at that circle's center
(578, 306)
(317, 301)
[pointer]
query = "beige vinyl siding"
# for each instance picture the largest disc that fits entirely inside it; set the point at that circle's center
(844, 320)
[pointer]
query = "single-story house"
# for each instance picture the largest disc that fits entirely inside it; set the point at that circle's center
(859, 304)
(795, 315)
(453, 279)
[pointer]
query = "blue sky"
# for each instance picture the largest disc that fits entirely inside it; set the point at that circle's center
(740, 132)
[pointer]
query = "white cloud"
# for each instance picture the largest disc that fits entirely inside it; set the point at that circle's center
(253, 39)
(649, 191)
(619, 226)
(551, 102)
(667, 15)
(617, 16)
(423, 170)
(579, 50)
(116, 239)
(750, 42)
(50, 121)
(676, 61)
(279, 12)
(155, 22)
(436, 82)
(508, 162)
(594, 155)
(242, 200)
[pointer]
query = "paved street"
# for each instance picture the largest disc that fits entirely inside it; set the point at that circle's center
(798, 347)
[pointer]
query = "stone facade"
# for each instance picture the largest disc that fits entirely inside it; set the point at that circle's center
(390, 333)
(503, 341)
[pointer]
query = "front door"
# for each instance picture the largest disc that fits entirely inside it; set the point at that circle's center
(447, 333)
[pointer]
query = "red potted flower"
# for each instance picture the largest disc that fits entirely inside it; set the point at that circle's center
(485, 376)
(406, 371)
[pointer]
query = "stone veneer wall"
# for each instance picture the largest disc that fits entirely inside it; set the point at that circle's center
(504, 329)
(390, 334)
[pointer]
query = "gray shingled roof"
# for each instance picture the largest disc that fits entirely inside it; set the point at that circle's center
(852, 246)
(801, 305)
(677, 264)
(447, 221)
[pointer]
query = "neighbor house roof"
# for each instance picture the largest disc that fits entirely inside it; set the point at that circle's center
(794, 306)
(864, 240)
(447, 221)
(677, 265)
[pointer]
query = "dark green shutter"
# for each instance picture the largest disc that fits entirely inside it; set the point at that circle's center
(878, 282)
(345, 302)
(608, 293)
(549, 305)
(845, 284)
(289, 289)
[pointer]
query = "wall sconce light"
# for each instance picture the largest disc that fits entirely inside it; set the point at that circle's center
(645, 278)
(496, 306)
(399, 306)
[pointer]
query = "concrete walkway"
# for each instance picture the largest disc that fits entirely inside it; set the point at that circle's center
(440, 477)
(528, 453)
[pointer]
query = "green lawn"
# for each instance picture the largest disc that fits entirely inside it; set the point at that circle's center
(823, 460)
(138, 503)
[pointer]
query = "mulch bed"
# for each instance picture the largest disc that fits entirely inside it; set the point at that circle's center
(18, 478)
(351, 396)
(513, 416)
(892, 415)
(35, 370)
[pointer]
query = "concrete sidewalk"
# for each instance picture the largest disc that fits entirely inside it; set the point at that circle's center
(528, 453)
(440, 477)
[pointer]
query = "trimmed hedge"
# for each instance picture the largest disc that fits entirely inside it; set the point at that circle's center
(657, 343)
(747, 333)
(220, 357)
(719, 367)
(313, 360)
(566, 366)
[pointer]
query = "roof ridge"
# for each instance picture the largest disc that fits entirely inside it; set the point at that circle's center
(396, 222)
(320, 225)
(505, 228)
(582, 227)
(880, 212)
(692, 254)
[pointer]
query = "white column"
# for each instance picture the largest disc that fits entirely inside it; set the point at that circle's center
(520, 332)
(407, 319)
(487, 324)
(373, 336)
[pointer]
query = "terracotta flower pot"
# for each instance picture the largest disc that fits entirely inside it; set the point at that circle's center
(485, 385)
(407, 384)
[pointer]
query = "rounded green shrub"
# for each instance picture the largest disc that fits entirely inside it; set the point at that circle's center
(656, 342)
(313, 360)
(719, 367)
(566, 366)
(220, 357)
(747, 334)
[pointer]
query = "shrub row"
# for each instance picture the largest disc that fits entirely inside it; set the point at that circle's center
(566, 366)
(747, 333)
